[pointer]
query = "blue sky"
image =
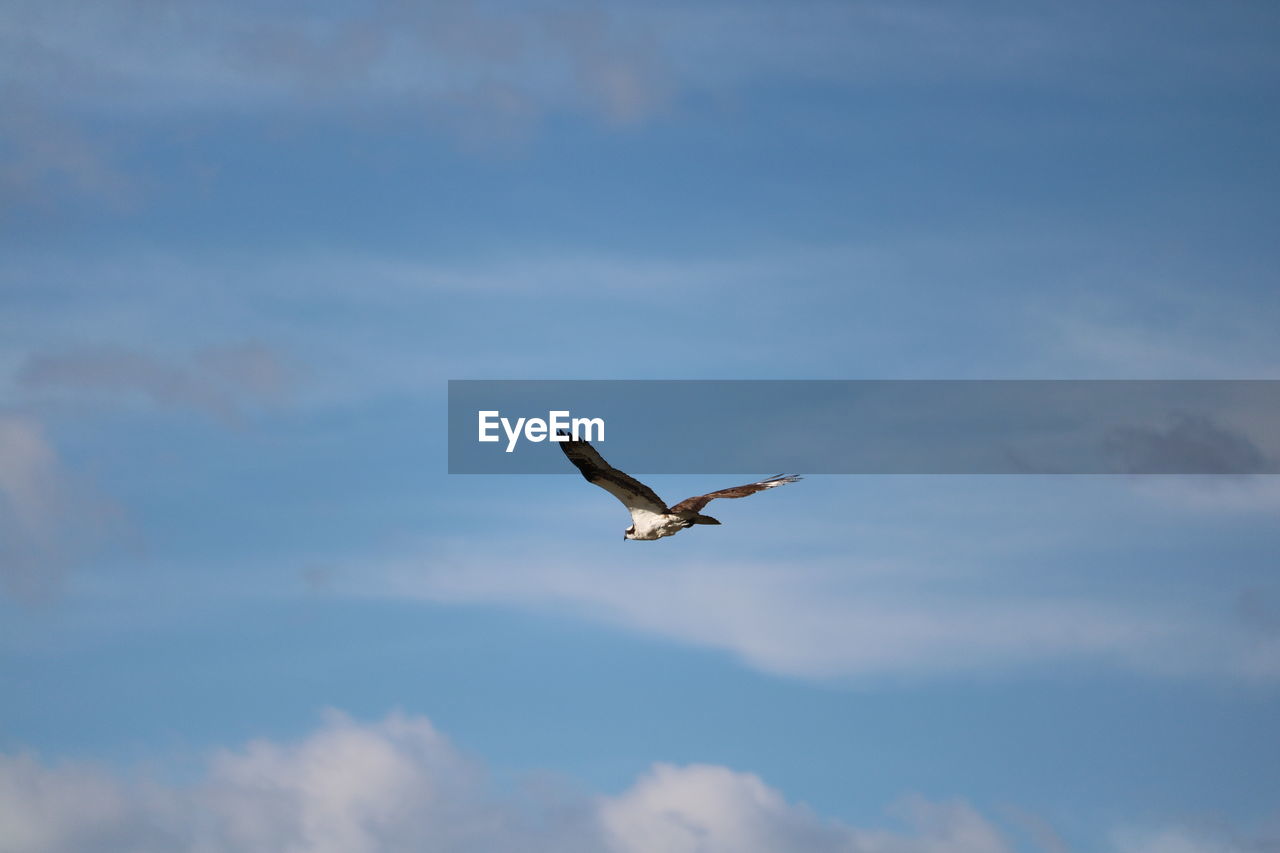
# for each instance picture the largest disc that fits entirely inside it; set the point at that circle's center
(243, 247)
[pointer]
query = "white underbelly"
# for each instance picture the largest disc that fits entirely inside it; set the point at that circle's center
(651, 525)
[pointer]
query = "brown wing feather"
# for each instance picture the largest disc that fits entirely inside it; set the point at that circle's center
(695, 504)
(624, 487)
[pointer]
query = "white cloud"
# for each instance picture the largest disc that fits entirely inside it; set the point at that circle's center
(349, 788)
(704, 808)
(398, 784)
(394, 785)
(712, 809)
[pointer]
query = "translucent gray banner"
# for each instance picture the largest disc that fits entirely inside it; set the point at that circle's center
(871, 426)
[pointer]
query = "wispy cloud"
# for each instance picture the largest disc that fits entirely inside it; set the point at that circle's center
(480, 71)
(1213, 495)
(47, 157)
(1191, 839)
(838, 618)
(47, 517)
(614, 58)
(492, 71)
(50, 517)
(1190, 443)
(320, 307)
(478, 74)
(219, 381)
(1222, 335)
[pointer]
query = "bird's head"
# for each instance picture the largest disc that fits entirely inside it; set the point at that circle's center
(629, 533)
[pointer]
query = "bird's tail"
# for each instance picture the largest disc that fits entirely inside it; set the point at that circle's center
(704, 519)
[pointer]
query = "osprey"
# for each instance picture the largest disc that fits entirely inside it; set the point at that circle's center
(650, 517)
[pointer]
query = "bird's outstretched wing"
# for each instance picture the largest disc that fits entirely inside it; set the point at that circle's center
(696, 504)
(635, 495)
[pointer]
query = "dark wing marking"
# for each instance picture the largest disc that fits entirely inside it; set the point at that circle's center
(634, 494)
(696, 504)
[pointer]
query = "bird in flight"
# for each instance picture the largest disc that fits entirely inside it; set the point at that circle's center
(651, 518)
